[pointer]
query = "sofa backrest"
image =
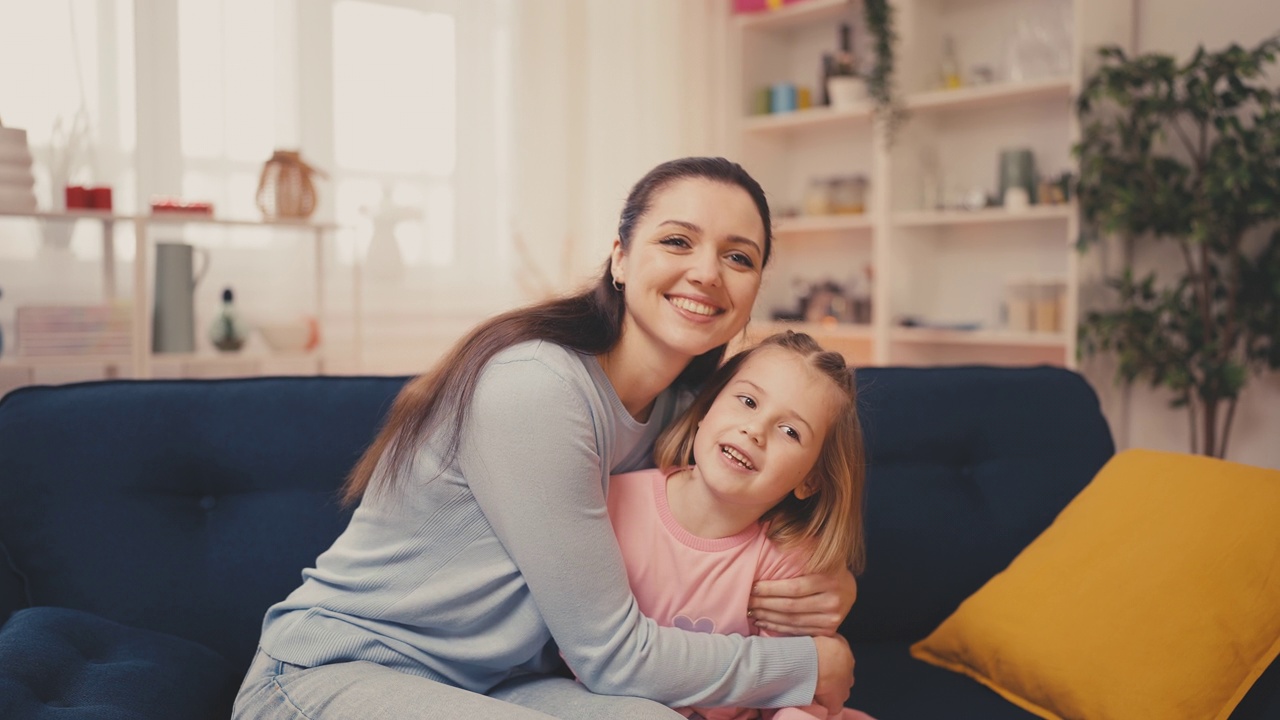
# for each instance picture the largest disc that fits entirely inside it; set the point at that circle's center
(186, 507)
(189, 507)
(966, 466)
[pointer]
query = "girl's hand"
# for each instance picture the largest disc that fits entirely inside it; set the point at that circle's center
(812, 605)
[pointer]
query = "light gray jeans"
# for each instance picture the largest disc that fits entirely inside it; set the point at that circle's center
(275, 690)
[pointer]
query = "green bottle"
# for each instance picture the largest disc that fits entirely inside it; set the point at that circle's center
(227, 332)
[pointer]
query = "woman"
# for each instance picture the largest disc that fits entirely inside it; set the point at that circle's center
(482, 534)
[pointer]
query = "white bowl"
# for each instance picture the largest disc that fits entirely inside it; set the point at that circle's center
(291, 337)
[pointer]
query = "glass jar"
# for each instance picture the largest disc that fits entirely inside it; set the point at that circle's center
(817, 198)
(849, 195)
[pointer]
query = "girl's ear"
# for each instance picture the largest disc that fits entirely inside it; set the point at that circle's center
(806, 489)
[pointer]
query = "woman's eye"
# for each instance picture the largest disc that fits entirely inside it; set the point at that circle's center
(676, 241)
(791, 432)
(748, 401)
(742, 259)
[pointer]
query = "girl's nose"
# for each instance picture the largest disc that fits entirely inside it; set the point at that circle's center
(753, 433)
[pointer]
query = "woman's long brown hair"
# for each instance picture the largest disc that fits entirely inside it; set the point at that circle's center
(588, 322)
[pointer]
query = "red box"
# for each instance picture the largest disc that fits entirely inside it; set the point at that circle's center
(754, 6)
(100, 198)
(77, 197)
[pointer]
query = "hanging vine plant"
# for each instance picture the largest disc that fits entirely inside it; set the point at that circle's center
(878, 15)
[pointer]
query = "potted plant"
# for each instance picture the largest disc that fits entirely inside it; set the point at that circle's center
(879, 18)
(1184, 160)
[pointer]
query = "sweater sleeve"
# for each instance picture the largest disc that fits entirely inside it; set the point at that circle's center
(531, 457)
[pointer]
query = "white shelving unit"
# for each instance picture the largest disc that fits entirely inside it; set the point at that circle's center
(142, 363)
(942, 268)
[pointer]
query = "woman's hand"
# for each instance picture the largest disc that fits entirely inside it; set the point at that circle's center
(812, 605)
(835, 673)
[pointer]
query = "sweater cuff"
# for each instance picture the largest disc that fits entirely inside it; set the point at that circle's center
(792, 659)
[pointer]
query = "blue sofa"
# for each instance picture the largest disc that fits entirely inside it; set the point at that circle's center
(145, 526)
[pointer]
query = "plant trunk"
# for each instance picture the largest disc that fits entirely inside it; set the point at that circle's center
(1209, 419)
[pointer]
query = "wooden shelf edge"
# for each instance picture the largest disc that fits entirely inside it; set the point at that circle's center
(163, 219)
(996, 93)
(998, 338)
(800, 13)
(936, 218)
(807, 118)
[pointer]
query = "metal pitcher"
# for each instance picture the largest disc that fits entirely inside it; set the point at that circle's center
(174, 319)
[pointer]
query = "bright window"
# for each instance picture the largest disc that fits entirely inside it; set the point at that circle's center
(395, 128)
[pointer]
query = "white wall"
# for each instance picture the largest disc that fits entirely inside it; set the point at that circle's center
(1177, 27)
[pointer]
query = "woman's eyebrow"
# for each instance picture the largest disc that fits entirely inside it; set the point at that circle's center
(691, 227)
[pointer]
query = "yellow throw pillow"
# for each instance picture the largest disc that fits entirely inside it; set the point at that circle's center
(1154, 594)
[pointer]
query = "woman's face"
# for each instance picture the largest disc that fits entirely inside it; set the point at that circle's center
(693, 267)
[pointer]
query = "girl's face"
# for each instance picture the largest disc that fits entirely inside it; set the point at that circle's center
(765, 430)
(692, 270)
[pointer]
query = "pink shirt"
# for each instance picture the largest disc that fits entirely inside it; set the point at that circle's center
(681, 580)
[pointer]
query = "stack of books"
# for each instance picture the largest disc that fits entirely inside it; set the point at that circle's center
(17, 184)
(74, 330)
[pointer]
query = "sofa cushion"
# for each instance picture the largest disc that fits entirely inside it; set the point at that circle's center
(60, 664)
(1154, 594)
(195, 504)
(966, 466)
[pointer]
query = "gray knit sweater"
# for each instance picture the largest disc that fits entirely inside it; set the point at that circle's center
(466, 578)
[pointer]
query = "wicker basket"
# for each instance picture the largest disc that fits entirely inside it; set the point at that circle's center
(285, 189)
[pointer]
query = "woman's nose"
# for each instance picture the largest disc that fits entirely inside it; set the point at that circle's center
(705, 268)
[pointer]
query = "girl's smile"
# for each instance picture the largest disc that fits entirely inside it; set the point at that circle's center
(758, 442)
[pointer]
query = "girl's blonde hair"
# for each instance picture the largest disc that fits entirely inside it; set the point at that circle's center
(829, 521)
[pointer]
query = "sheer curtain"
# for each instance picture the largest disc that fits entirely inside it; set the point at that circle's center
(604, 91)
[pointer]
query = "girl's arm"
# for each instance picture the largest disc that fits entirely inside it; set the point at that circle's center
(529, 453)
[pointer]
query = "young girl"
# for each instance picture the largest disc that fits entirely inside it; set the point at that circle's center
(761, 479)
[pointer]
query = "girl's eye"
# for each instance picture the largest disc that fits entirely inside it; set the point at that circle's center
(791, 432)
(676, 241)
(742, 259)
(748, 401)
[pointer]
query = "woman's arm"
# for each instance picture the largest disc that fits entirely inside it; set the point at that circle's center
(530, 455)
(779, 566)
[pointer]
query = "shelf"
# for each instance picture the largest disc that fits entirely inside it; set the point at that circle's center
(166, 219)
(1002, 338)
(935, 218)
(817, 224)
(26, 362)
(990, 95)
(231, 358)
(800, 13)
(209, 359)
(841, 331)
(808, 118)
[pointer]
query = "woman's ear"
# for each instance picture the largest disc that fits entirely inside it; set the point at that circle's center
(618, 262)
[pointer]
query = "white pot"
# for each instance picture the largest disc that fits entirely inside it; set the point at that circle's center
(846, 91)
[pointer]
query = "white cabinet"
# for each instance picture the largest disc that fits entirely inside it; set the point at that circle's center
(141, 362)
(950, 282)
